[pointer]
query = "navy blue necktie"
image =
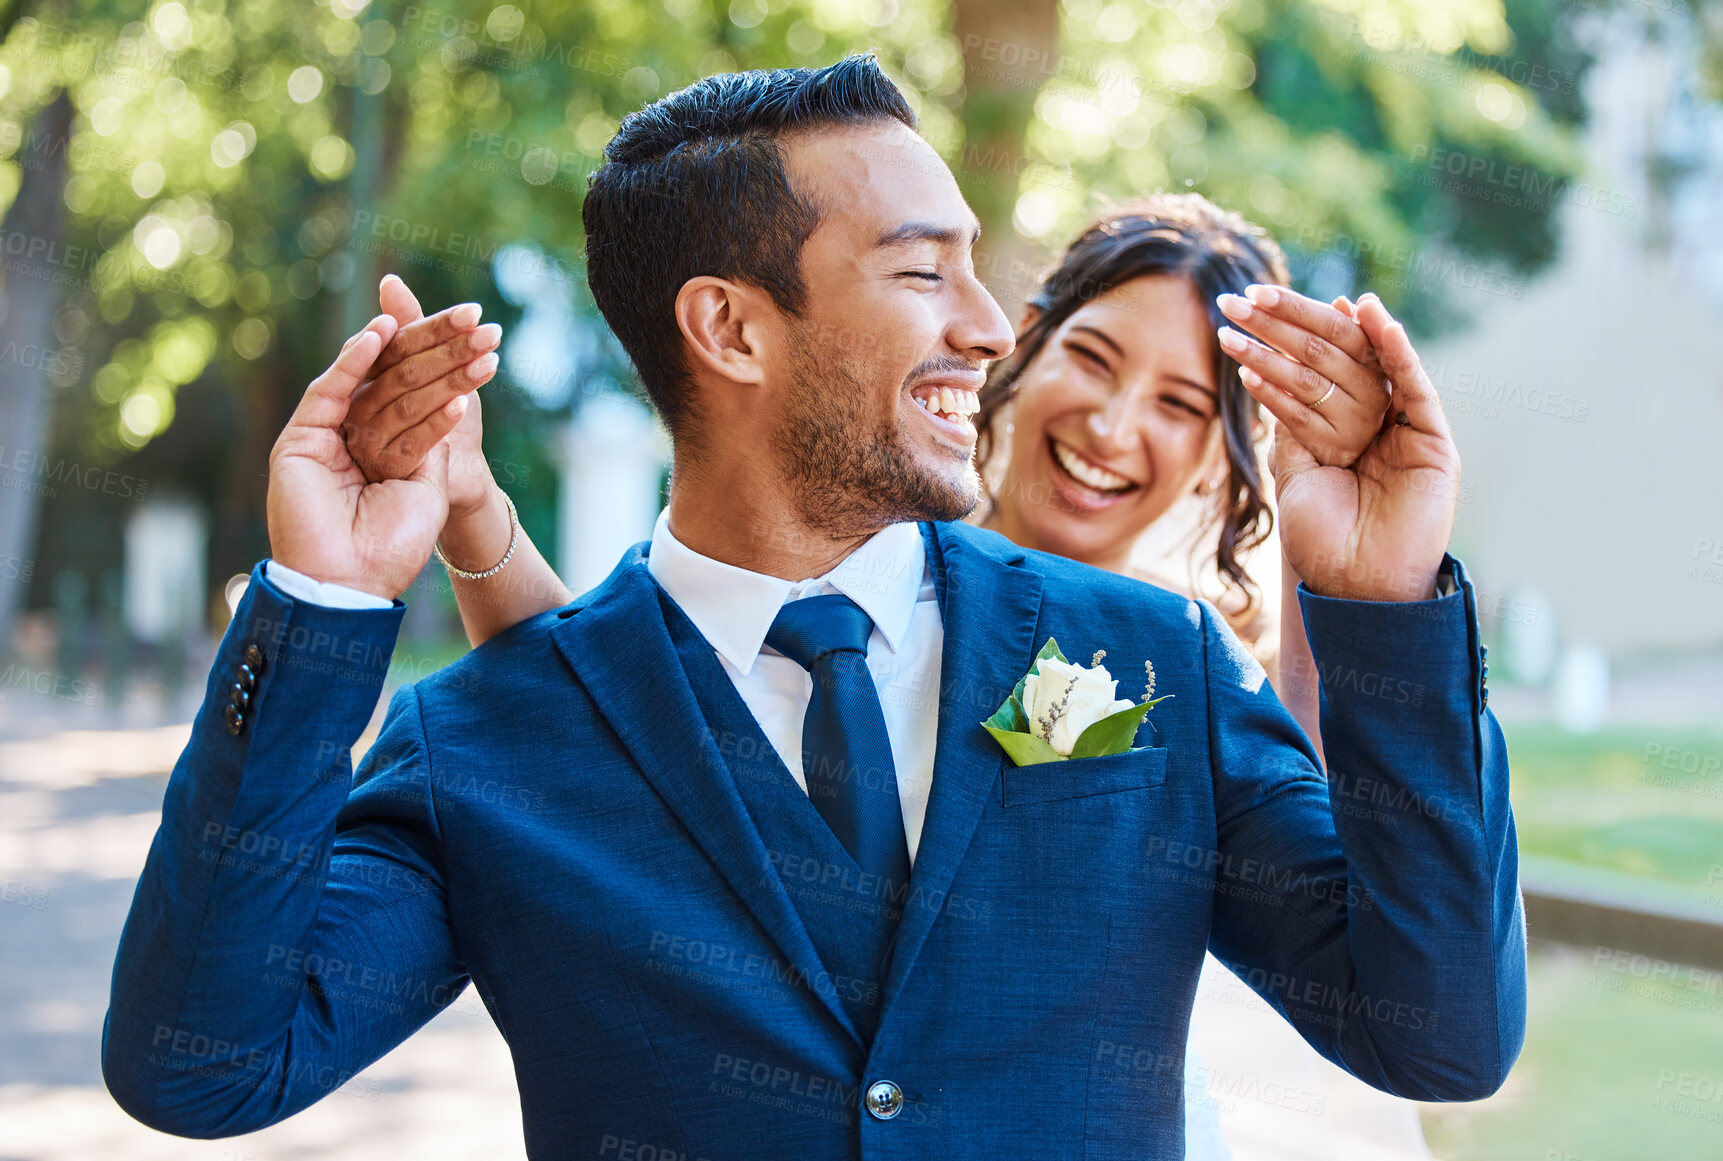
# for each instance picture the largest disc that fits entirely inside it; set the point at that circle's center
(846, 754)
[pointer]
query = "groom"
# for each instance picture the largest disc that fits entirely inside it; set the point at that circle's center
(723, 899)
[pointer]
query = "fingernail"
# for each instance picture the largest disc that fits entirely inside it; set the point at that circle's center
(1231, 339)
(1251, 378)
(488, 335)
(466, 315)
(457, 406)
(482, 366)
(1233, 306)
(1262, 295)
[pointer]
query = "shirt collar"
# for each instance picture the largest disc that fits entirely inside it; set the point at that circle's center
(734, 608)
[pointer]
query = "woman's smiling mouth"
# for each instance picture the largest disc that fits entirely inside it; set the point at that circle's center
(1086, 472)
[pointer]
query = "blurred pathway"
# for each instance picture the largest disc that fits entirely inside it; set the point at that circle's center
(78, 807)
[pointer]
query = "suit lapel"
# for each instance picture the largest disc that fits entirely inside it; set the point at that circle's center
(989, 610)
(622, 655)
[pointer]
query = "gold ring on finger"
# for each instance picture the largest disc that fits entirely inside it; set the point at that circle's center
(1324, 398)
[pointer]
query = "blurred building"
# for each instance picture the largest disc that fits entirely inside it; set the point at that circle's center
(614, 457)
(1589, 407)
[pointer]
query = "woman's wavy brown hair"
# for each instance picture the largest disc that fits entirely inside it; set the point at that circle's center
(1220, 252)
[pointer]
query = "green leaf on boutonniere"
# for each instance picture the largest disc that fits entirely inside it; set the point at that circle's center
(1009, 717)
(1025, 749)
(1114, 734)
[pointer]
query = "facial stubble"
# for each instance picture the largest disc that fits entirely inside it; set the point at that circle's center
(850, 473)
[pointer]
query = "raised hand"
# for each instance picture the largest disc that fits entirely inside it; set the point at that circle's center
(402, 413)
(403, 417)
(1377, 529)
(326, 519)
(1318, 374)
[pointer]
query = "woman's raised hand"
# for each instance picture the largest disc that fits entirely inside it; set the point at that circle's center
(1317, 374)
(407, 407)
(1377, 528)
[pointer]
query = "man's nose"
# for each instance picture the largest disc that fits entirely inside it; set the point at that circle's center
(981, 330)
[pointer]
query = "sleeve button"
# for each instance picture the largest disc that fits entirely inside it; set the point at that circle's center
(239, 697)
(247, 678)
(254, 658)
(235, 720)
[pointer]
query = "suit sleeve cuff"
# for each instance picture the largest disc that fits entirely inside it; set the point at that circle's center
(315, 592)
(1421, 645)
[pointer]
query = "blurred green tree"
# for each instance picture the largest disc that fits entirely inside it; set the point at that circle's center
(1386, 144)
(234, 175)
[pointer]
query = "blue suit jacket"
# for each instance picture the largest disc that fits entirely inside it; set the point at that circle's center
(551, 819)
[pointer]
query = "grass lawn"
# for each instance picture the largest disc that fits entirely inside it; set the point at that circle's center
(1616, 1065)
(1646, 801)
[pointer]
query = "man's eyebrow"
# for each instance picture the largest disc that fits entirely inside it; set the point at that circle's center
(911, 232)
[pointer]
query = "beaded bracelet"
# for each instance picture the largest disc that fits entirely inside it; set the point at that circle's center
(514, 539)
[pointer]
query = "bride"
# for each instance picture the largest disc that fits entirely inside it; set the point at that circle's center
(1130, 404)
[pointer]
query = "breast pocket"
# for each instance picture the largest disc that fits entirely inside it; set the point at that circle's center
(1084, 777)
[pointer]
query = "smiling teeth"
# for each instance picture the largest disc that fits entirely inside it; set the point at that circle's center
(950, 402)
(1087, 473)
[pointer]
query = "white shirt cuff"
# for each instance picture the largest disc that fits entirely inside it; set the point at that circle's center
(315, 592)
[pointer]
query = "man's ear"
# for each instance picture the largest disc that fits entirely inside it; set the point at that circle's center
(724, 323)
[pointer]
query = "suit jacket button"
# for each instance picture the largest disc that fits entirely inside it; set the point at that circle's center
(235, 720)
(254, 658)
(884, 1100)
(247, 677)
(239, 697)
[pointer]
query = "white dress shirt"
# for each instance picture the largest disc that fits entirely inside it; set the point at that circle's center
(888, 576)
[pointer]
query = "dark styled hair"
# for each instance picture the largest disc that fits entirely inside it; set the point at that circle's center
(1220, 252)
(694, 184)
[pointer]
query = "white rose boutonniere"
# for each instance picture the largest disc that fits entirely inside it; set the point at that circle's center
(1060, 711)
